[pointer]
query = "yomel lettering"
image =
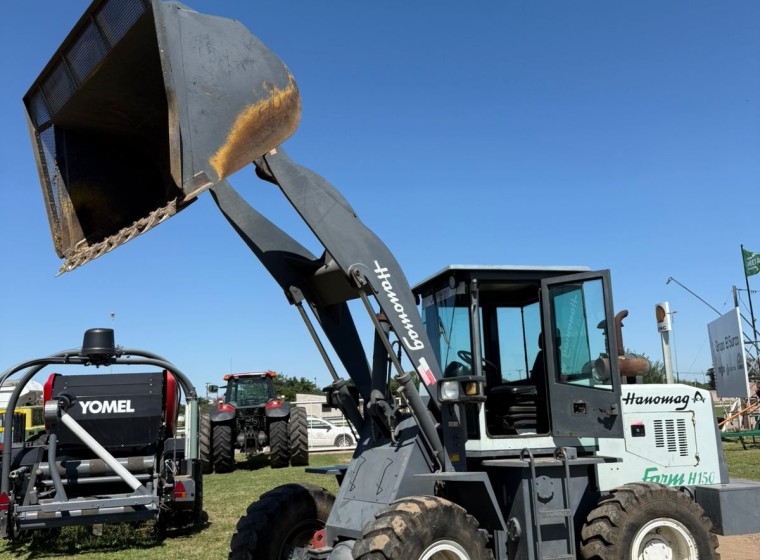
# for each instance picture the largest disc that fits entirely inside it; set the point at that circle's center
(106, 407)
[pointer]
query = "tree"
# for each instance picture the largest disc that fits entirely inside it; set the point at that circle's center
(289, 386)
(656, 373)
(711, 378)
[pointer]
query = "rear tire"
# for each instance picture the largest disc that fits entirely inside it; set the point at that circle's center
(644, 520)
(422, 528)
(204, 444)
(223, 453)
(282, 522)
(279, 444)
(298, 428)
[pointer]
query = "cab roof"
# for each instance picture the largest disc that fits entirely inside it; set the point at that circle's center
(249, 374)
(519, 273)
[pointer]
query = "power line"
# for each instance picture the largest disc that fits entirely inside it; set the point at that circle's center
(671, 279)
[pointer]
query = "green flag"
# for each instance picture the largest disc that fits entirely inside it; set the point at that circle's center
(751, 262)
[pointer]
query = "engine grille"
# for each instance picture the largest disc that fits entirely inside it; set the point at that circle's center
(671, 435)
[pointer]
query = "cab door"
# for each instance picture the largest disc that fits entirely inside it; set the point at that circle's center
(581, 351)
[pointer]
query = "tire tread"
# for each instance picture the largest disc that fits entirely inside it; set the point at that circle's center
(603, 538)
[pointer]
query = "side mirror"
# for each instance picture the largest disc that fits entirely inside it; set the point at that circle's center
(212, 388)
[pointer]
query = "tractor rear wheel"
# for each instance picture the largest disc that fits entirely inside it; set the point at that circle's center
(282, 523)
(422, 528)
(645, 520)
(298, 428)
(279, 444)
(223, 453)
(204, 443)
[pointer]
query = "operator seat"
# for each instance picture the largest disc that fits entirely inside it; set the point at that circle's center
(538, 371)
(520, 408)
(538, 377)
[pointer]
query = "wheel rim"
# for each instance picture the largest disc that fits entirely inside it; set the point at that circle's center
(342, 441)
(445, 550)
(294, 545)
(664, 539)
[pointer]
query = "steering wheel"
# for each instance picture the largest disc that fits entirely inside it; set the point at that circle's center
(466, 356)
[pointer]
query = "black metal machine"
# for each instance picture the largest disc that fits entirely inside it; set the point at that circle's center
(111, 452)
(522, 447)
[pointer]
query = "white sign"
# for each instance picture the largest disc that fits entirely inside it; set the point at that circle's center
(729, 360)
(662, 311)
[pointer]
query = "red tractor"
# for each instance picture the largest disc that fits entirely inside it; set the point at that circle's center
(250, 417)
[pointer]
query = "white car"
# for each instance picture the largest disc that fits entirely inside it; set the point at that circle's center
(326, 434)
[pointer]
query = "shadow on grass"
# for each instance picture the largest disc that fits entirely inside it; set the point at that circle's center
(741, 442)
(254, 463)
(69, 541)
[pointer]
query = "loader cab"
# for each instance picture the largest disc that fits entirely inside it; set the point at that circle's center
(538, 336)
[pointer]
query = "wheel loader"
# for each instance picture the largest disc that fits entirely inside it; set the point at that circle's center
(522, 441)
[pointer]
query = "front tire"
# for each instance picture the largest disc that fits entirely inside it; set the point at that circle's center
(644, 520)
(223, 455)
(281, 523)
(279, 444)
(298, 428)
(422, 528)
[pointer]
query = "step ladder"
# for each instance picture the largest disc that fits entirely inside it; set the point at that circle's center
(540, 517)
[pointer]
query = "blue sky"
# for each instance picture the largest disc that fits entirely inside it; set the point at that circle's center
(620, 135)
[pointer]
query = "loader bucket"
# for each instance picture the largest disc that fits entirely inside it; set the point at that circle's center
(145, 105)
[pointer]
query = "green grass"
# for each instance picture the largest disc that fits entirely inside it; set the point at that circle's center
(226, 497)
(743, 463)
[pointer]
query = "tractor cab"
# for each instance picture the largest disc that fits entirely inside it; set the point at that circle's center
(539, 339)
(249, 389)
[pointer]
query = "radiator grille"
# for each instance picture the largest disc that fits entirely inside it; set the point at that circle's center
(671, 435)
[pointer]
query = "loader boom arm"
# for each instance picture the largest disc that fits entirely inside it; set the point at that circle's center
(356, 264)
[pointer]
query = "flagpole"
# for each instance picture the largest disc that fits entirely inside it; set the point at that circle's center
(751, 312)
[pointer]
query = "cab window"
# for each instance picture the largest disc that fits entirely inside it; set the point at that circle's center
(445, 315)
(517, 331)
(580, 333)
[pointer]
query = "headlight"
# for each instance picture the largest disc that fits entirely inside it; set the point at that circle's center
(449, 390)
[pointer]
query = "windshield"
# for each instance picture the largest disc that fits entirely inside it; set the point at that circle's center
(510, 324)
(249, 391)
(445, 315)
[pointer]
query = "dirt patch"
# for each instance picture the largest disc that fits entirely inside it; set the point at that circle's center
(741, 547)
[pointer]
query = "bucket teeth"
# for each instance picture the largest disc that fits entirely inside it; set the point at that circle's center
(84, 253)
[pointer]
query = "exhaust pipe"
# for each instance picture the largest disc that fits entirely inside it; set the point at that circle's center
(145, 105)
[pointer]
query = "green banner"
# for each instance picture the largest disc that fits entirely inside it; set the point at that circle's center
(751, 262)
